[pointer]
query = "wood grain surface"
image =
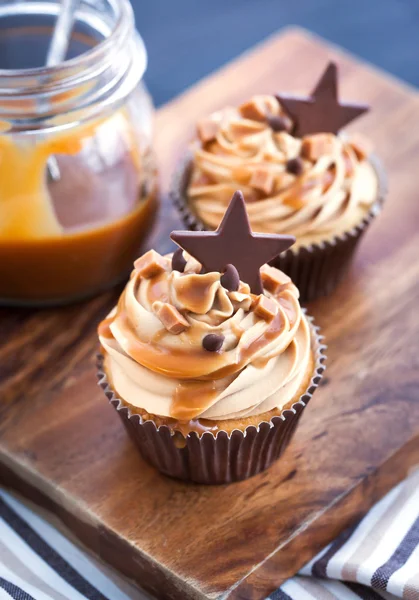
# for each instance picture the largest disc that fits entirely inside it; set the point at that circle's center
(64, 446)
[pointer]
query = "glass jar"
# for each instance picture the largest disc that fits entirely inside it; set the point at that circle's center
(77, 173)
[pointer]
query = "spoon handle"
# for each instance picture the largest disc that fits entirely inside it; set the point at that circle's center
(62, 32)
(57, 52)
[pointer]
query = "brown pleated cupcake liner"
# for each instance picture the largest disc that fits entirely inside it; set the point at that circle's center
(216, 458)
(316, 269)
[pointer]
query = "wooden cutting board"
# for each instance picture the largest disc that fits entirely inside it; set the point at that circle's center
(62, 445)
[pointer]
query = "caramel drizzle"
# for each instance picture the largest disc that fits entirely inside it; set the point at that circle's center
(26, 210)
(198, 425)
(196, 295)
(158, 289)
(104, 329)
(296, 196)
(203, 375)
(192, 398)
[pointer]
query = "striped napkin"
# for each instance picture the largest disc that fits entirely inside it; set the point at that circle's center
(378, 558)
(381, 552)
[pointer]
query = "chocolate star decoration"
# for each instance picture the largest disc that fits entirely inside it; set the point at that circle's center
(321, 112)
(234, 243)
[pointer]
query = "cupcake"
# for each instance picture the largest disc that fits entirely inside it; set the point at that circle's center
(299, 175)
(208, 357)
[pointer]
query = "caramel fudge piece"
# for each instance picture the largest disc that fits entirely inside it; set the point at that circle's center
(265, 308)
(150, 264)
(207, 130)
(316, 146)
(262, 180)
(256, 111)
(170, 317)
(272, 279)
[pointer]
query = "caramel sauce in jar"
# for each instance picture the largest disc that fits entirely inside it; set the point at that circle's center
(73, 230)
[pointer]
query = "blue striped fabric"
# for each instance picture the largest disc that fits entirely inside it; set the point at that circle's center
(378, 558)
(14, 591)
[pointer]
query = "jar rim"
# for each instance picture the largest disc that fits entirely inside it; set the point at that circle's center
(105, 72)
(125, 22)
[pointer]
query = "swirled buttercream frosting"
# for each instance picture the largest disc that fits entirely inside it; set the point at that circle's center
(191, 345)
(314, 187)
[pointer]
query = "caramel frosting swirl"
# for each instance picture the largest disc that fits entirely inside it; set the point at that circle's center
(314, 187)
(154, 353)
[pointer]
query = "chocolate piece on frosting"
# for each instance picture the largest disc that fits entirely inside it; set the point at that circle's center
(277, 123)
(213, 342)
(178, 261)
(295, 166)
(230, 279)
(170, 317)
(322, 111)
(150, 264)
(234, 243)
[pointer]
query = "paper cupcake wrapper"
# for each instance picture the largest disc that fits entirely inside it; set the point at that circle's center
(315, 269)
(221, 457)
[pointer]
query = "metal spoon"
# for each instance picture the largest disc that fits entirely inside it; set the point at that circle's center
(56, 54)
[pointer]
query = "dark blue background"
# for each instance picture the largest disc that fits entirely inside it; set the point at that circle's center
(187, 39)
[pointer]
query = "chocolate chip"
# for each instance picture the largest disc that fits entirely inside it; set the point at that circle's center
(213, 342)
(178, 261)
(230, 279)
(145, 189)
(295, 166)
(277, 123)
